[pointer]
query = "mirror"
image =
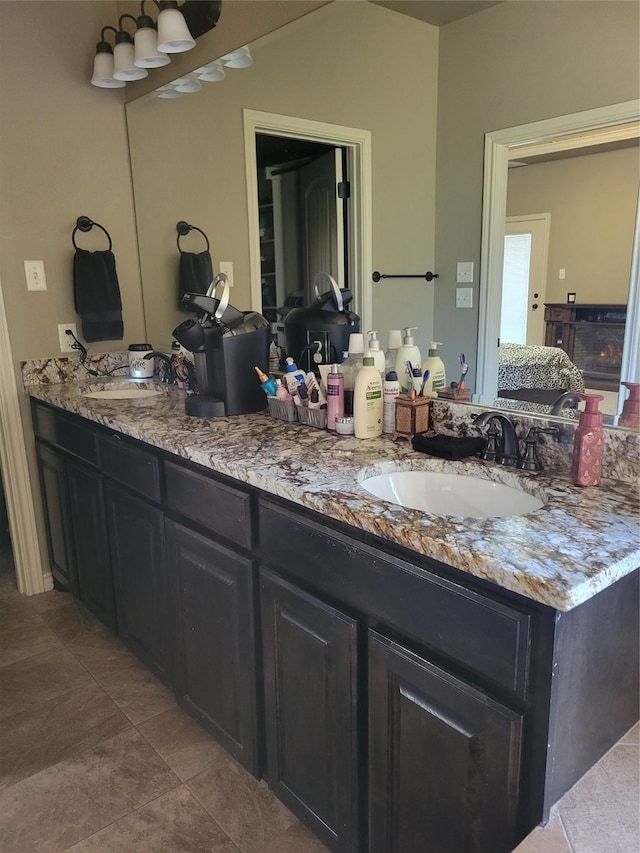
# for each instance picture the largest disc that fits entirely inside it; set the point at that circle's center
(188, 159)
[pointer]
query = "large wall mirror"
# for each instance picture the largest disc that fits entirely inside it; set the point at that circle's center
(189, 162)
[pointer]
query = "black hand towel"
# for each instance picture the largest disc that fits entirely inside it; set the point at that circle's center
(96, 295)
(195, 274)
(448, 446)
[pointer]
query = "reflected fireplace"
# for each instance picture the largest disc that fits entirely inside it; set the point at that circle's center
(593, 338)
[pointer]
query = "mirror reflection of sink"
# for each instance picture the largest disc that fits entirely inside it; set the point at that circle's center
(461, 495)
(123, 392)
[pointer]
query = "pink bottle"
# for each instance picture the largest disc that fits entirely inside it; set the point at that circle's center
(335, 396)
(630, 416)
(588, 443)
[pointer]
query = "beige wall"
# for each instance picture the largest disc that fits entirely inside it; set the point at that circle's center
(512, 64)
(592, 201)
(351, 64)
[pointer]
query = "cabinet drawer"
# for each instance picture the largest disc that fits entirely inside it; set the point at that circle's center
(216, 506)
(558, 313)
(131, 465)
(481, 634)
(68, 433)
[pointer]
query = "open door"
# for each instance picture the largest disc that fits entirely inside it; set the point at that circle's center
(322, 219)
(524, 279)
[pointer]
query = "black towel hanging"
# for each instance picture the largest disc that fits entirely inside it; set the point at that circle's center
(196, 268)
(96, 290)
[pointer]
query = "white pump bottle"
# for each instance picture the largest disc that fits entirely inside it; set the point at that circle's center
(407, 358)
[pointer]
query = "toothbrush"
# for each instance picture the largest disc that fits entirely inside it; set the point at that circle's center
(464, 368)
(425, 377)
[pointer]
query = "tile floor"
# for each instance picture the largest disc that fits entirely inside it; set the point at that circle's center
(95, 757)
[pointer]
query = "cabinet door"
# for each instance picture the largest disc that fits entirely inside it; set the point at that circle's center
(136, 540)
(444, 759)
(310, 678)
(211, 588)
(55, 501)
(86, 503)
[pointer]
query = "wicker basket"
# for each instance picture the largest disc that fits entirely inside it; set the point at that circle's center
(283, 410)
(313, 417)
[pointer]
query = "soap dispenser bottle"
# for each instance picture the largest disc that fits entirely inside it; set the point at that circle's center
(395, 342)
(376, 353)
(437, 379)
(588, 443)
(407, 358)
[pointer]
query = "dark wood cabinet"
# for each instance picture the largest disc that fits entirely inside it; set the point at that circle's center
(310, 682)
(86, 504)
(444, 759)
(55, 500)
(138, 562)
(211, 591)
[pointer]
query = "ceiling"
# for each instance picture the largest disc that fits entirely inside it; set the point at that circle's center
(437, 12)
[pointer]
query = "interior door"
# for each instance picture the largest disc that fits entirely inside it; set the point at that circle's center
(524, 279)
(322, 219)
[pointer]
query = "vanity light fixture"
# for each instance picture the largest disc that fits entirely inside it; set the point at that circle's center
(103, 65)
(240, 58)
(187, 84)
(124, 55)
(176, 31)
(173, 32)
(211, 73)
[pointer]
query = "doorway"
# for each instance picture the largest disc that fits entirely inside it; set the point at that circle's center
(303, 202)
(524, 274)
(354, 147)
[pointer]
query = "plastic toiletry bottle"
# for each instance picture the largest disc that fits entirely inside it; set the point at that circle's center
(350, 369)
(267, 384)
(395, 342)
(314, 399)
(407, 358)
(367, 401)
(335, 396)
(376, 353)
(437, 379)
(293, 376)
(588, 443)
(281, 392)
(390, 390)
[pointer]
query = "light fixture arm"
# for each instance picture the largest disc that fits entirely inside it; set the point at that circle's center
(102, 37)
(122, 29)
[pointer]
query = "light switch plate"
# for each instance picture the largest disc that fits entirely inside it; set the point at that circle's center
(464, 297)
(226, 267)
(464, 272)
(34, 273)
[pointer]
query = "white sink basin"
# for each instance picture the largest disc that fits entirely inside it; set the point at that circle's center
(460, 495)
(131, 393)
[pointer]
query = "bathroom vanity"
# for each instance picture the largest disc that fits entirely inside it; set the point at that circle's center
(402, 681)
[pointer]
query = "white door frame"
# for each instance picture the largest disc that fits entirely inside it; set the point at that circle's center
(539, 259)
(15, 474)
(618, 121)
(358, 145)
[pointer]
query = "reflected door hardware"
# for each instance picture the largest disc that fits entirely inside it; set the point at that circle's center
(534, 306)
(428, 275)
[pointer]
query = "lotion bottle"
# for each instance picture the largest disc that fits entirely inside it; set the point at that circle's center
(351, 366)
(376, 353)
(390, 390)
(395, 342)
(367, 401)
(588, 443)
(293, 376)
(407, 358)
(437, 379)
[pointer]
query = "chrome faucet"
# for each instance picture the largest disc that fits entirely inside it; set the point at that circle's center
(568, 400)
(507, 450)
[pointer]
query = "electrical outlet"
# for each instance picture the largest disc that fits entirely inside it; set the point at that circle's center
(226, 267)
(34, 273)
(65, 339)
(464, 297)
(464, 272)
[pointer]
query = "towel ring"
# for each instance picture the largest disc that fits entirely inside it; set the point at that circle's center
(183, 228)
(83, 223)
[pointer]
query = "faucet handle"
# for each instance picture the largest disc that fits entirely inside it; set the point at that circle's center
(530, 460)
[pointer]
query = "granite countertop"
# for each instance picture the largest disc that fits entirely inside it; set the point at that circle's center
(577, 544)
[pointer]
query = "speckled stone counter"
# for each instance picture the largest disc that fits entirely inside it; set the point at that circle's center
(578, 543)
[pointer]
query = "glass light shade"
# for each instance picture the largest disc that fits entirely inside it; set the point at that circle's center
(167, 92)
(146, 51)
(241, 62)
(212, 73)
(123, 67)
(103, 72)
(235, 54)
(187, 84)
(173, 32)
